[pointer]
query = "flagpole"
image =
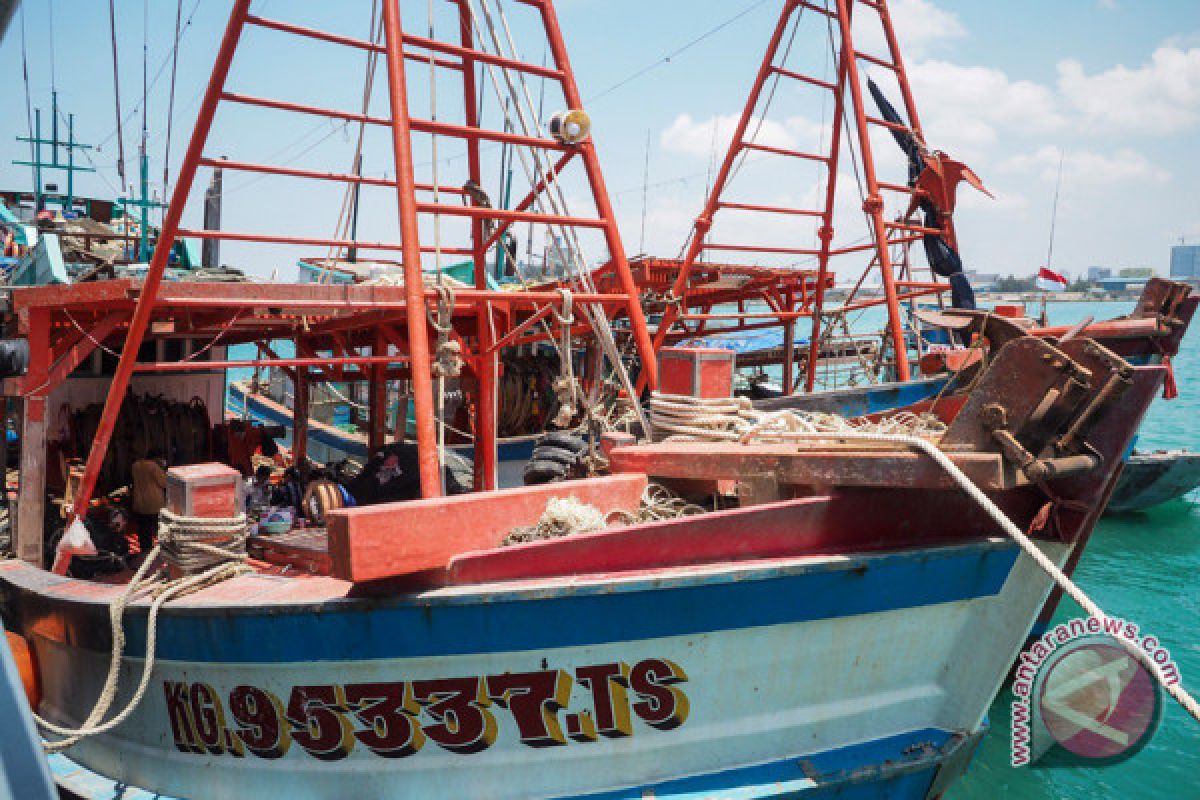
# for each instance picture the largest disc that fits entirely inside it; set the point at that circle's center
(1062, 158)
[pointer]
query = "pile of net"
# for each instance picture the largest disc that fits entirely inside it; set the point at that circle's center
(569, 516)
(679, 418)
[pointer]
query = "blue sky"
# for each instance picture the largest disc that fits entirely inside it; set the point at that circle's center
(1007, 87)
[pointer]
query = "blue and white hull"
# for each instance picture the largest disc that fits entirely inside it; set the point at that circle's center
(861, 676)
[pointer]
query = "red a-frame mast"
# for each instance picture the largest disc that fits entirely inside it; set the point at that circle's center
(476, 313)
(850, 116)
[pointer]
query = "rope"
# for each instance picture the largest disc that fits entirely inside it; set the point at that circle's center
(569, 516)
(566, 390)
(554, 195)
(207, 551)
(684, 418)
(1176, 691)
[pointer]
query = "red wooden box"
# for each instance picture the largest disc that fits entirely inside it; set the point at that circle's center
(204, 490)
(696, 372)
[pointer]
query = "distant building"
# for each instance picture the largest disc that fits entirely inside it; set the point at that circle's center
(1137, 273)
(1095, 274)
(1185, 262)
(982, 281)
(1124, 283)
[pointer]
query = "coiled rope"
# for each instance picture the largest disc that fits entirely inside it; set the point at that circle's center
(207, 552)
(1176, 691)
(685, 418)
(569, 516)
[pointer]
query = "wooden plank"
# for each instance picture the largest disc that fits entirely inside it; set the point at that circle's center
(375, 543)
(31, 498)
(704, 461)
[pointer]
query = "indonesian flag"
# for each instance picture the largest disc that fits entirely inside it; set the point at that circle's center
(1049, 281)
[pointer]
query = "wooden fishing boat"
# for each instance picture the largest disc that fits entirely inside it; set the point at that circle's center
(1152, 479)
(811, 649)
(832, 619)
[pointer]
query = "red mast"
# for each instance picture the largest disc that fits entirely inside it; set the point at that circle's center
(483, 322)
(850, 116)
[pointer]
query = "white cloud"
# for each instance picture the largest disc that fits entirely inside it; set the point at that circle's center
(920, 26)
(1090, 167)
(1162, 96)
(969, 107)
(700, 137)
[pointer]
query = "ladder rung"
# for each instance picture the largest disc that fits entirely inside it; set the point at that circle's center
(753, 248)
(878, 61)
(816, 8)
(418, 125)
(797, 212)
(469, 54)
(334, 38)
(796, 76)
(900, 226)
(862, 248)
(779, 151)
(896, 187)
(265, 238)
(422, 42)
(895, 126)
(482, 212)
(292, 172)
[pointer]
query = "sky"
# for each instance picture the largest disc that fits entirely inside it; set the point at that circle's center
(1109, 89)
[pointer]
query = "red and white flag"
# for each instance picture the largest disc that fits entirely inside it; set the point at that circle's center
(1049, 281)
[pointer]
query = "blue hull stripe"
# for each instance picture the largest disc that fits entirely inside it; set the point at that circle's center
(898, 767)
(507, 622)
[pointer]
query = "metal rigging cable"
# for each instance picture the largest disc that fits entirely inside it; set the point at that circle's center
(157, 75)
(171, 98)
(676, 52)
(53, 78)
(28, 100)
(112, 27)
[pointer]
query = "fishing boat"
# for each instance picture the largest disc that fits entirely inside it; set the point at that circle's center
(1153, 478)
(780, 612)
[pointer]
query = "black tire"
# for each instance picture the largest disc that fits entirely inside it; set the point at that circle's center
(567, 458)
(565, 441)
(457, 473)
(542, 472)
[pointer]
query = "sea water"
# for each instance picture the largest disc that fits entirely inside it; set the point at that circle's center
(1144, 568)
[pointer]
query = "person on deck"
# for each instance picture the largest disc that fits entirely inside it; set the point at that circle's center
(259, 489)
(149, 495)
(322, 496)
(289, 492)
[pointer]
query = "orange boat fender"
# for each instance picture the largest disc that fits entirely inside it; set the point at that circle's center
(26, 663)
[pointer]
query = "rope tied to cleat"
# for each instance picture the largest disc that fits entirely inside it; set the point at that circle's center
(205, 552)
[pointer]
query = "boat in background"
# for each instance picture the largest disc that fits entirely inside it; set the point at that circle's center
(1153, 478)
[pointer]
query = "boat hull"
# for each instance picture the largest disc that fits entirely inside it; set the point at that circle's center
(871, 672)
(1151, 479)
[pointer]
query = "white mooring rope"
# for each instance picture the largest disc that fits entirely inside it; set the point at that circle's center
(1176, 691)
(207, 552)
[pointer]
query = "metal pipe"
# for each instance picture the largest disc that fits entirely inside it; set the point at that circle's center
(874, 205)
(485, 411)
(604, 207)
(414, 287)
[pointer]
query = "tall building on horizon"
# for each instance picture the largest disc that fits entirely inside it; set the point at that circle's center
(1185, 262)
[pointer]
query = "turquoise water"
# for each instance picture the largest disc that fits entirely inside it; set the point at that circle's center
(1146, 568)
